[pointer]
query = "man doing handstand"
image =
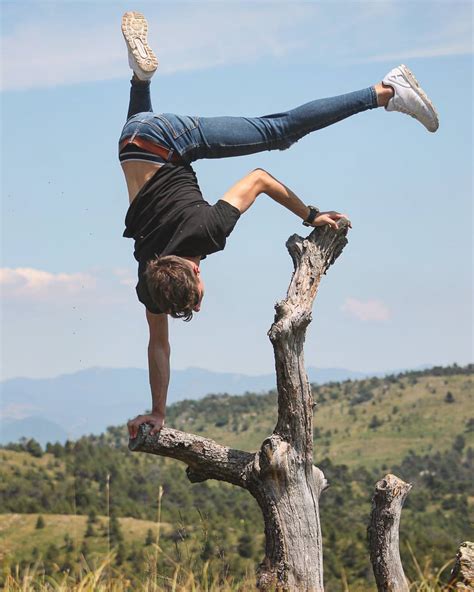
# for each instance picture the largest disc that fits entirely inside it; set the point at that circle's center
(172, 225)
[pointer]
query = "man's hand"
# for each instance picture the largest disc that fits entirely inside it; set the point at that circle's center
(330, 218)
(156, 420)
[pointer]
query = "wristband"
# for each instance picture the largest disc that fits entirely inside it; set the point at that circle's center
(313, 212)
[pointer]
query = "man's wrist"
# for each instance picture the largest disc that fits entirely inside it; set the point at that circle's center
(313, 212)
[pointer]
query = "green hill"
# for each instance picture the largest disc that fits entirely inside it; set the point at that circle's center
(418, 425)
(411, 411)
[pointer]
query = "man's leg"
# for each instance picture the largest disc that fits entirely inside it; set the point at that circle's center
(220, 137)
(140, 99)
(141, 59)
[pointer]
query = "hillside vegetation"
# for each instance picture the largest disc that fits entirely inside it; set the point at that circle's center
(368, 422)
(418, 425)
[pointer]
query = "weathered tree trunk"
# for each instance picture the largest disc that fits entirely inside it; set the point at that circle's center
(462, 576)
(390, 494)
(281, 475)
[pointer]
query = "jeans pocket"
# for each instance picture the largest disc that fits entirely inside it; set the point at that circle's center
(177, 125)
(130, 129)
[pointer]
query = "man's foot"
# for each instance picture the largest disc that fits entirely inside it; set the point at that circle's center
(141, 58)
(410, 98)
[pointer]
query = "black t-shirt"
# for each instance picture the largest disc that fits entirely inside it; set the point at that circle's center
(169, 216)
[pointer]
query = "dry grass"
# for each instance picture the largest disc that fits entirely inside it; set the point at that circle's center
(107, 578)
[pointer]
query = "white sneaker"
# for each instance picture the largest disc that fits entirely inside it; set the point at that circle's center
(410, 98)
(141, 58)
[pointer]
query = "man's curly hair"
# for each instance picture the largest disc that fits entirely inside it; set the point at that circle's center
(173, 286)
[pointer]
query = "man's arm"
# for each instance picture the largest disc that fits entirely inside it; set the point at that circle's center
(159, 373)
(243, 194)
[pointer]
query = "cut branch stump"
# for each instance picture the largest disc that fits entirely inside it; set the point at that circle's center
(462, 576)
(383, 534)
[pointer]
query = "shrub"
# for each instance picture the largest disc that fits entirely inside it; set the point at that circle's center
(449, 398)
(375, 422)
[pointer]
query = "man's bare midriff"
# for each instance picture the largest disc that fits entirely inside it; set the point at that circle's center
(137, 174)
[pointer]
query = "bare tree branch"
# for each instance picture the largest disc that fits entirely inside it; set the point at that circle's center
(311, 257)
(205, 458)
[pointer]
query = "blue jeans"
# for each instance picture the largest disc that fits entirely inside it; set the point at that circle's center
(193, 137)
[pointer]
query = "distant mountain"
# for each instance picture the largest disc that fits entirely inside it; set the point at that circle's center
(86, 402)
(39, 428)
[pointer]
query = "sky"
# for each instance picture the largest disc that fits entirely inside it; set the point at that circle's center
(399, 296)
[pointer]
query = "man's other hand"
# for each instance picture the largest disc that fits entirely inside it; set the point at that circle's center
(154, 419)
(331, 218)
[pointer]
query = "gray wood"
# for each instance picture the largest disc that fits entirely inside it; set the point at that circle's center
(280, 475)
(462, 575)
(205, 458)
(390, 494)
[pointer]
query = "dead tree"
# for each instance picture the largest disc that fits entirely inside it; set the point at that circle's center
(462, 575)
(390, 494)
(281, 475)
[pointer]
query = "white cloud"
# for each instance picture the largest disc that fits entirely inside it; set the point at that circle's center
(450, 49)
(32, 58)
(47, 49)
(32, 283)
(452, 36)
(17, 410)
(125, 277)
(98, 287)
(53, 52)
(366, 310)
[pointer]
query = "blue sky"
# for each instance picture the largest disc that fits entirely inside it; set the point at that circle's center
(399, 296)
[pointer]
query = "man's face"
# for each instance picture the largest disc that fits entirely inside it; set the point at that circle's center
(197, 308)
(197, 271)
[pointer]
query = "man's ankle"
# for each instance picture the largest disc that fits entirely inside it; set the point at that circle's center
(136, 80)
(384, 93)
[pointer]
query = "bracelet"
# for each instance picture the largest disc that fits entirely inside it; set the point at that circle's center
(313, 212)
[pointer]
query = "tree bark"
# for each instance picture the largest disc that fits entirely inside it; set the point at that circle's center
(205, 458)
(462, 576)
(281, 475)
(390, 494)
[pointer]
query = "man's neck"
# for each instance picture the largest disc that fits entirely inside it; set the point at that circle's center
(195, 260)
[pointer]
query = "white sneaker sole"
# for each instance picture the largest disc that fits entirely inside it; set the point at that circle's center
(423, 96)
(135, 31)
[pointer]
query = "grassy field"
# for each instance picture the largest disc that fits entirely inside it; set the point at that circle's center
(18, 535)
